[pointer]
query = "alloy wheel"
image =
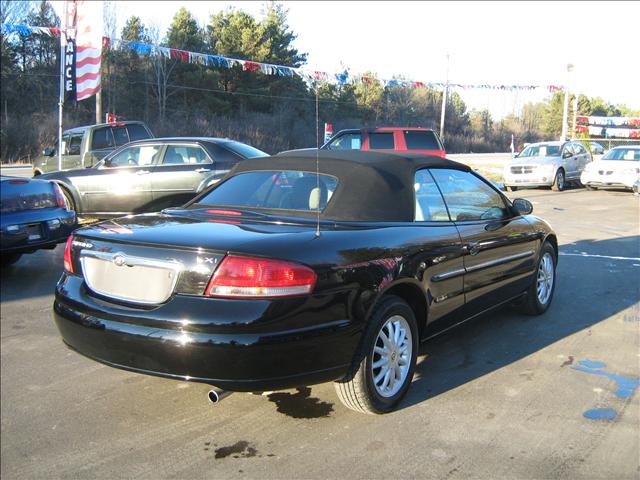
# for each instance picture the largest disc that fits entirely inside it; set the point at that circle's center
(545, 279)
(391, 358)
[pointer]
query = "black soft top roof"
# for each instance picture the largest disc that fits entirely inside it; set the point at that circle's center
(372, 186)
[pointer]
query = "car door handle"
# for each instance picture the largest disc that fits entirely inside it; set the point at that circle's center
(142, 172)
(472, 248)
(202, 170)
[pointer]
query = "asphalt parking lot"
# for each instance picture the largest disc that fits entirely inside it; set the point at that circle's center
(506, 396)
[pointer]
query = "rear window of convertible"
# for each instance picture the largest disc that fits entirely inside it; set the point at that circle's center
(277, 189)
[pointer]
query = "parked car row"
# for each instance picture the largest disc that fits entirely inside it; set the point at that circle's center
(262, 272)
(557, 164)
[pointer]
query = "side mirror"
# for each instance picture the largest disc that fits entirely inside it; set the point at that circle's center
(522, 206)
(48, 152)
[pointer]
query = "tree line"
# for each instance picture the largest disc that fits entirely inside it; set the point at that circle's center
(272, 113)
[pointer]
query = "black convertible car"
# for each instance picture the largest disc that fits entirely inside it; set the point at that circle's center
(280, 277)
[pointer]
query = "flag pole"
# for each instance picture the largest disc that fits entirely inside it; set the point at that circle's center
(63, 31)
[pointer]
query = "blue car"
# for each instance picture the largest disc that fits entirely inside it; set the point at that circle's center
(34, 215)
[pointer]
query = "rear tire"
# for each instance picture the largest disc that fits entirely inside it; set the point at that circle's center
(559, 182)
(540, 293)
(71, 206)
(9, 259)
(384, 364)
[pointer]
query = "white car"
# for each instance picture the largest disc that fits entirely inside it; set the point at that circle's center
(546, 164)
(618, 168)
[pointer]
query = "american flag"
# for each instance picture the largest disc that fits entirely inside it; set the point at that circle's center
(89, 29)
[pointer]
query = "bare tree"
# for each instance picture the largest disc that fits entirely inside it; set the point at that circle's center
(162, 68)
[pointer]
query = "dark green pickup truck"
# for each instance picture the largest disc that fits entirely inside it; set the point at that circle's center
(84, 146)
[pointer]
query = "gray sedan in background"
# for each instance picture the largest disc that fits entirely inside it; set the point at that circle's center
(150, 175)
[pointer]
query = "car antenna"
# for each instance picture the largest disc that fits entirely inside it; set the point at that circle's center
(317, 165)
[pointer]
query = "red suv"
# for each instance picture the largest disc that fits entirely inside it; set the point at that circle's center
(395, 139)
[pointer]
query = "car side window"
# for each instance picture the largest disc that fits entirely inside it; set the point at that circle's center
(184, 154)
(102, 138)
(430, 206)
(567, 150)
(137, 132)
(74, 144)
(120, 135)
(348, 141)
(579, 149)
(468, 197)
(421, 140)
(138, 156)
(381, 141)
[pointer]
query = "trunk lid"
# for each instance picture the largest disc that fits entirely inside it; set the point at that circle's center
(145, 259)
(18, 194)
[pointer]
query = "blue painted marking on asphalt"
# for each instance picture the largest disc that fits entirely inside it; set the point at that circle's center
(626, 386)
(605, 414)
(590, 364)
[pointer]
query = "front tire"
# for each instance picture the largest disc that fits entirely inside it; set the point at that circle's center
(560, 181)
(540, 293)
(383, 367)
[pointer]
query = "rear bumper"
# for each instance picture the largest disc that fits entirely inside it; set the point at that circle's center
(236, 345)
(54, 226)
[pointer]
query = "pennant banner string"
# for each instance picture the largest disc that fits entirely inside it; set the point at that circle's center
(219, 61)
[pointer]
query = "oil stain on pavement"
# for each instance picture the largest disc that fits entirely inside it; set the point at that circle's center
(241, 449)
(301, 404)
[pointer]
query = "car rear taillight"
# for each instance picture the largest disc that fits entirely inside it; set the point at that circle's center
(60, 200)
(248, 277)
(68, 264)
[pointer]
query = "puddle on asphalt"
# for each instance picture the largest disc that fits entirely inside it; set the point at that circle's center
(301, 404)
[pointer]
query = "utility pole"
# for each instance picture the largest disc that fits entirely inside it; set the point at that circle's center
(99, 118)
(575, 117)
(444, 101)
(63, 41)
(565, 110)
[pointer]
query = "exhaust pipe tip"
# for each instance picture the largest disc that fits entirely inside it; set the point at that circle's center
(216, 395)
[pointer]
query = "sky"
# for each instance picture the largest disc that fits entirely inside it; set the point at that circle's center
(487, 42)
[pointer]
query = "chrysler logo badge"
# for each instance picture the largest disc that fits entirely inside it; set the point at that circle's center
(119, 260)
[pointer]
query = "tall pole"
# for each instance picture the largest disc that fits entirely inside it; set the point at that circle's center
(565, 110)
(99, 118)
(575, 117)
(63, 35)
(444, 101)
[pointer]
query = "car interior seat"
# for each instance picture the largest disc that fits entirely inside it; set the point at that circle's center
(173, 157)
(305, 195)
